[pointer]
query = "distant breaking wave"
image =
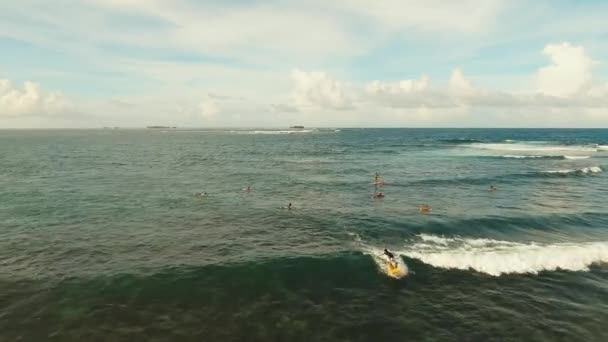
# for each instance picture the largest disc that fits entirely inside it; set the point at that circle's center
(583, 171)
(481, 180)
(513, 156)
(495, 257)
(534, 147)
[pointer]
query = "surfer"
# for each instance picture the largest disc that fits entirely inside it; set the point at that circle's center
(391, 257)
(492, 188)
(377, 178)
(200, 194)
(247, 189)
(289, 206)
(379, 195)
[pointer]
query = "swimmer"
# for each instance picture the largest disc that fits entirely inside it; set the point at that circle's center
(200, 194)
(289, 206)
(378, 195)
(247, 189)
(425, 208)
(492, 188)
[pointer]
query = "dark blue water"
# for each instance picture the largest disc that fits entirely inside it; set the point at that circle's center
(102, 237)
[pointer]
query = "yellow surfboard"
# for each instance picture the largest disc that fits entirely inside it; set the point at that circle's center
(395, 271)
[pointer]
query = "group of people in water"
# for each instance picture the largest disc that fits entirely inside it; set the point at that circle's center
(425, 208)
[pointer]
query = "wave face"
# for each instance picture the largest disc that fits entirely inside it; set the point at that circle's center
(495, 257)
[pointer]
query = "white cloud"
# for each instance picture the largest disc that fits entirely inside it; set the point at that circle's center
(569, 73)
(30, 100)
(426, 15)
(459, 85)
(208, 108)
(284, 108)
(569, 96)
(318, 90)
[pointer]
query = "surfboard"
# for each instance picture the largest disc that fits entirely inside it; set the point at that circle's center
(396, 271)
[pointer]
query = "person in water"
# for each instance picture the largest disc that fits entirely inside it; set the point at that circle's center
(289, 206)
(391, 257)
(248, 188)
(492, 188)
(425, 208)
(377, 178)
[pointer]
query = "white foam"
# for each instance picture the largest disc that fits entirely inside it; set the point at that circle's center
(602, 147)
(585, 170)
(495, 257)
(532, 147)
(521, 157)
(434, 239)
(576, 157)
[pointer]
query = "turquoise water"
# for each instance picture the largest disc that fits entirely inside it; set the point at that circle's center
(102, 237)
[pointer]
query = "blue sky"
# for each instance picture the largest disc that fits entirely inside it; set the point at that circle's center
(404, 63)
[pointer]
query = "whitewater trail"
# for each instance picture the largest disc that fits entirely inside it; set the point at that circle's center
(495, 257)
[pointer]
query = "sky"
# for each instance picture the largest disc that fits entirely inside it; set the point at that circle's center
(275, 63)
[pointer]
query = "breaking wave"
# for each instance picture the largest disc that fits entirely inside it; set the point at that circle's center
(512, 156)
(495, 257)
(533, 147)
(583, 171)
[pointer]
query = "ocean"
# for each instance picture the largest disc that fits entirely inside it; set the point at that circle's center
(103, 236)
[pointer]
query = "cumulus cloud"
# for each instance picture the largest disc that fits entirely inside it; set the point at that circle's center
(406, 94)
(318, 90)
(569, 73)
(566, 83)
(29, 100)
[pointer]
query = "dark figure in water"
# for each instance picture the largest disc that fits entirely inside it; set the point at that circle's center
(391, 256)
(289, 206)
(492, 188)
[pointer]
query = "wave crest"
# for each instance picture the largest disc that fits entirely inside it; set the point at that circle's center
(533, 147)
(512, 156)
(583, 171)
(495, 257)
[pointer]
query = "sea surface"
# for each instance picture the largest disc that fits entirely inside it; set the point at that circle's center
(104, 238)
